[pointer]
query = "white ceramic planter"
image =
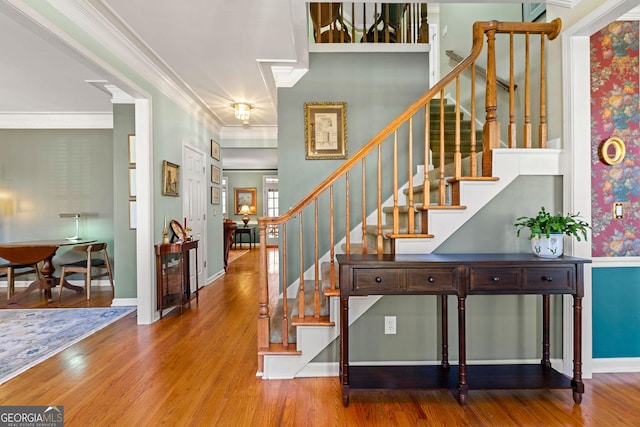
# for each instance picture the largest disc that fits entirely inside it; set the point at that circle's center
(551, 247)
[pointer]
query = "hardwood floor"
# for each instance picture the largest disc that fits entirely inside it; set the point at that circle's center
(198, 369)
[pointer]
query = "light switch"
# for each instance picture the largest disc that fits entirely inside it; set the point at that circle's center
(617, 210)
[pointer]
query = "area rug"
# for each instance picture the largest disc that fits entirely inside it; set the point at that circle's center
(28, 337)
(233, 254)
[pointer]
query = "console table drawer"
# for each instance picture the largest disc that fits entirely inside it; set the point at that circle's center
(432, 279)
(378, 279)
(551, 279)
(494, 279)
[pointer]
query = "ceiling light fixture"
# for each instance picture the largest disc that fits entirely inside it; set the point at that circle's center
(242, 111)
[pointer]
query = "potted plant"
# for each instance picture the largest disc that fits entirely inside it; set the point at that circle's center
(547, 231)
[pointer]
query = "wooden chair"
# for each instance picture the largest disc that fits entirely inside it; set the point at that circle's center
(96, 259)
(11, 270)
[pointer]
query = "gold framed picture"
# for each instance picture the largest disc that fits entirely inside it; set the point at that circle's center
(325, 125)
(215, 150)
(242, 197)
(170, 179)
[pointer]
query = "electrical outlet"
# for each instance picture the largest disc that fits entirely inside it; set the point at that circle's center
(390, 325)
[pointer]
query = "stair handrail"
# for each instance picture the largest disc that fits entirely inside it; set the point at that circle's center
(552, 29)
(490, 140)
(480, 70)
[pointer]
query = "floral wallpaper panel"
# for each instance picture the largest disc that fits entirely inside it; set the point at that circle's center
(614, 113)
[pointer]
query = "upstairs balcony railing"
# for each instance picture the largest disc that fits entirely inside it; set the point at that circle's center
(369, 22)
(329, 217)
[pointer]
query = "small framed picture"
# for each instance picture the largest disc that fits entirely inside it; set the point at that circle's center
(215, 174)
(215, 150)
(170, 179)
(215, 195)
(132, 183)
(325, 126)
(244, 197)
(132, 149)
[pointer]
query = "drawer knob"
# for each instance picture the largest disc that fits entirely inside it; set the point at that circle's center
(378, 279)
(547, 278)
(495, 279)
(432, 279)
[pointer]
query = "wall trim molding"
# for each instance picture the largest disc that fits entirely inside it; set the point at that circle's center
(616, 364)
(56, 120)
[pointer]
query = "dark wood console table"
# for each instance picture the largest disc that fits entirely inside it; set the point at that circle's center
(173, 276)
(461, 275)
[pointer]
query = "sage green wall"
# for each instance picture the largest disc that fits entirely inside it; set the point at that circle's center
(172, 126)
(377, 87)
(49, 172)
(124, 238)
(498, 327)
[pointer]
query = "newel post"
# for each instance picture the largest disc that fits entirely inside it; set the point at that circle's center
(263, 297)
(491, 130)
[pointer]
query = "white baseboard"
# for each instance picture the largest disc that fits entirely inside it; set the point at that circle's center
(616, 364)
(124, 302)
(215, 277)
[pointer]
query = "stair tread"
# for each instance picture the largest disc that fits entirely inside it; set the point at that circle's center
(473, 178)
(311, 321)
(410, 236)
(278, 348)
(440, 207)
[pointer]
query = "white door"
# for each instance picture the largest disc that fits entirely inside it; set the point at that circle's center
(194, 207)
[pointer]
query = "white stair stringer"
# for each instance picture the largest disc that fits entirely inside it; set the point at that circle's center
(508, 164)
(311, 340)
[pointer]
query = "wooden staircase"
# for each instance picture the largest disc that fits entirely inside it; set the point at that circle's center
(464, 178)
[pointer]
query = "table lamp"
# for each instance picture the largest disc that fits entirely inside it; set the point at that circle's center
(77, 217)
(244, 210)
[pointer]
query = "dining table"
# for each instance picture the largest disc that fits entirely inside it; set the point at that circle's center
(35, 251)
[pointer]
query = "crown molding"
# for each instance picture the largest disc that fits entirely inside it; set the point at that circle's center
(105, 27)
(564, 3)
(46, 120)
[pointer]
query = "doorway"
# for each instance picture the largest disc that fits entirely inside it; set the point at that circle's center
(194, 207)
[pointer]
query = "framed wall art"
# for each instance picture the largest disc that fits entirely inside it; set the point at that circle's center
(215, 150)
(244, 196)
(325, 125)
(132, 183)
(133, 212)
(215, 195)
(170, 179)
(215, 174)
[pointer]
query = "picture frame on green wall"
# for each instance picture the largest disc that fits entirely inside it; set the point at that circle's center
(215, 195)
(170, 179)
(215, 150)
(325, 126)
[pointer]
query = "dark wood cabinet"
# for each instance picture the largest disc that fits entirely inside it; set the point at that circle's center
(229, 233)
(173, 275)
(461, 275)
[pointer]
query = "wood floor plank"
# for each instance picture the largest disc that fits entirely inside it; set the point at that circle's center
(199, 369)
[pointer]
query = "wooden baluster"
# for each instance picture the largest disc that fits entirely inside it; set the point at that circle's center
(426, 190)
(457, 156)
(526, 133)
(332, 264)
(542, 129)
(396, 213)
(347, 215)
(301, 285)
(353, 22)
(512, 109)
(364, 23)
(263, 297)
(411, 226)
(379, 240)
(423, 32)
(474, 155)
(316, 272)
(491, 129)
(386, 20)
(441, 183)
(375, 30)
(285, 299)
(364, 207)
